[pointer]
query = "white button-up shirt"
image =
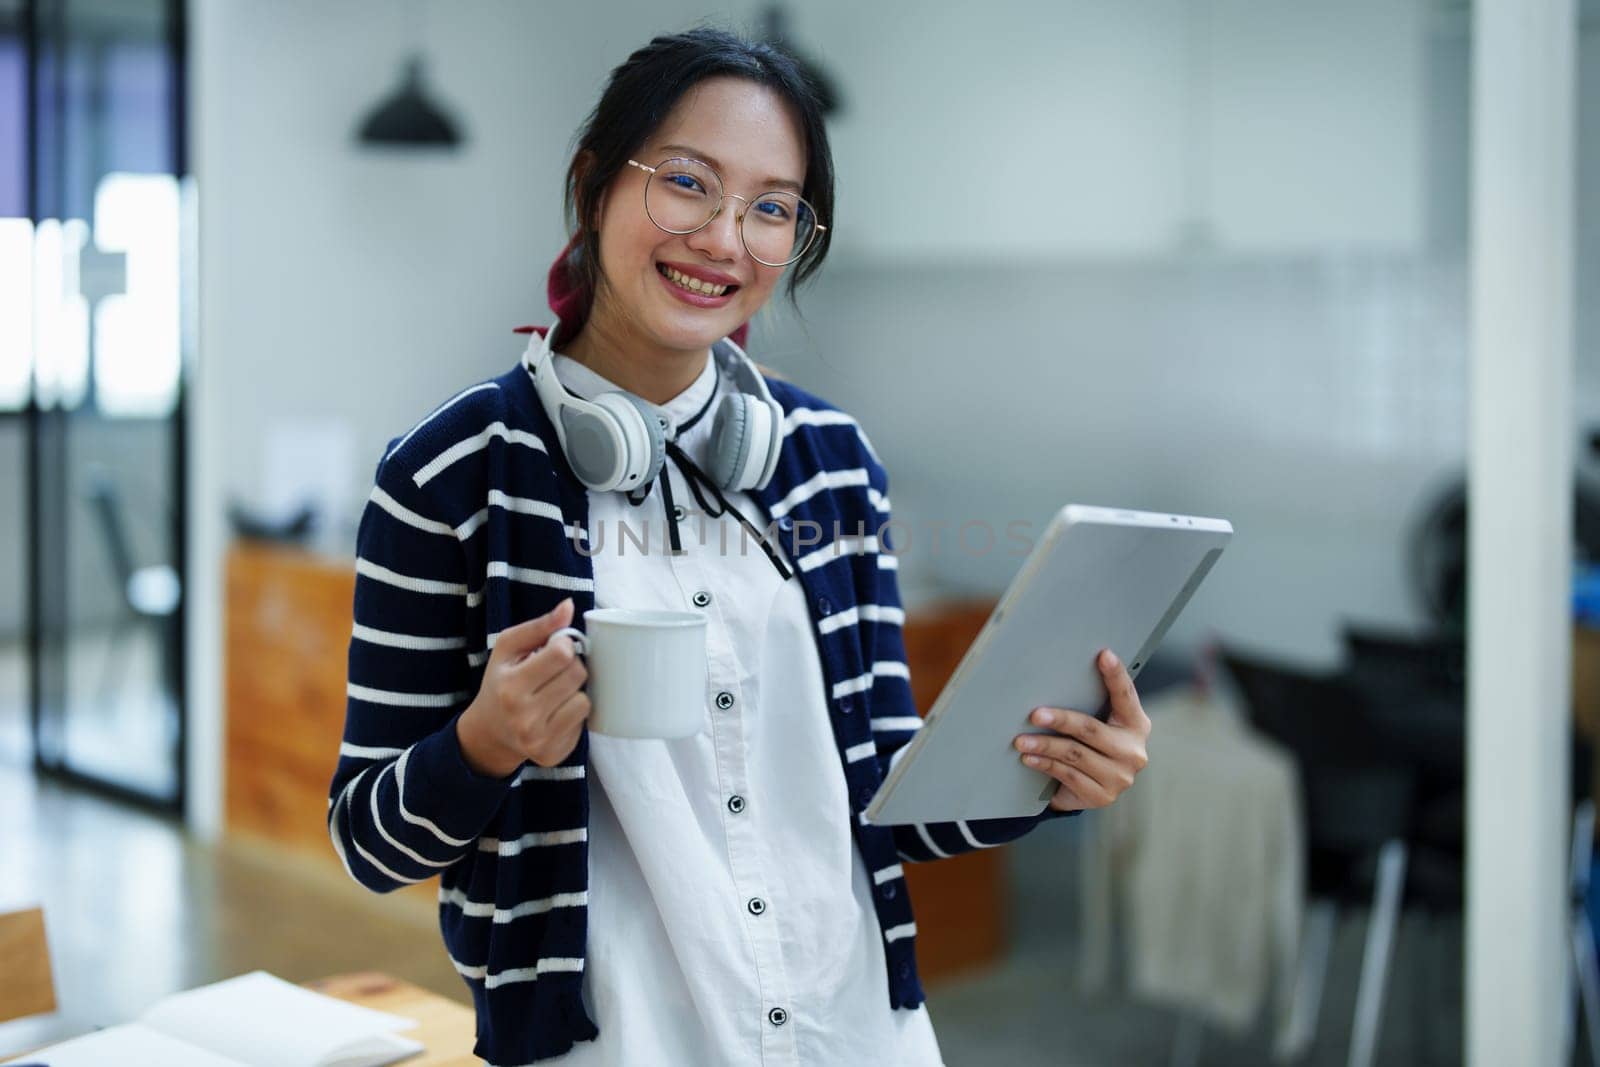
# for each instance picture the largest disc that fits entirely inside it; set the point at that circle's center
(730, 913)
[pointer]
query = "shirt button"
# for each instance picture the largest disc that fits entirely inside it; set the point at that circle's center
(824, 607)
(846, 705)
(724, 700)
(701, 598)
(785, 523)
(756, 905)
(905, 970)
(678, 512)
(736, 803)
(777, 1016)
(889, 890)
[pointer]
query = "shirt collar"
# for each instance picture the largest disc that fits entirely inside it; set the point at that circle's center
(583, 380)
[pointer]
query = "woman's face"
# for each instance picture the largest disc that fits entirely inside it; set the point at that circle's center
(749, 136)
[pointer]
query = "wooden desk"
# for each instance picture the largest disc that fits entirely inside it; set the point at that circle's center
(448, 1028)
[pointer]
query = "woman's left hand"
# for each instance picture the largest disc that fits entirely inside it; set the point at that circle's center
(1094, 761)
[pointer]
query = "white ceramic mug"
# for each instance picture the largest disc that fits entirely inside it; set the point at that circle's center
(647, 671)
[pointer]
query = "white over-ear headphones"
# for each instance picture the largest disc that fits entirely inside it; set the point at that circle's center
(618, 440)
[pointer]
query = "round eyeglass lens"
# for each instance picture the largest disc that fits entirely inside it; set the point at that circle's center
(778, 227)
(681, 195)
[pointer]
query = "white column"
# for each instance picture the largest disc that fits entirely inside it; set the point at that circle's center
(208, 246)
(1519, 641)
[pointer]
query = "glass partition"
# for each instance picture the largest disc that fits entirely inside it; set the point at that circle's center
(91, 389)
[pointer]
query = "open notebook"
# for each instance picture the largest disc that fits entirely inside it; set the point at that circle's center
(254, 1020)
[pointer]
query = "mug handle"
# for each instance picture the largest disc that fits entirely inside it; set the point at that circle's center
(579, 638)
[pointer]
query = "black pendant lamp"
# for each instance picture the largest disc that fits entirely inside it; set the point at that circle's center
(407, 118)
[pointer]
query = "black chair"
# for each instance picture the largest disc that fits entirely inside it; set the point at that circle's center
(1357, 800)
(1414, 687)
(1417, 685)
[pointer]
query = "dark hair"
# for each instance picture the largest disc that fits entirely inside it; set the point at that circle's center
(638, 97)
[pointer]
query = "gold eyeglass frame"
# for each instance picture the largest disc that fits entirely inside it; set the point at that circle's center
(816, 227)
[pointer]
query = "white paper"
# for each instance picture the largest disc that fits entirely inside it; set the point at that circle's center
(264, 1021)
(377, 1051)
(130, 1045)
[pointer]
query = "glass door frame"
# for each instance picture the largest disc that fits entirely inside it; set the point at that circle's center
(56, 422)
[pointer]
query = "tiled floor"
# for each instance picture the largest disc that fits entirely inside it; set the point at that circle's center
(136, 910)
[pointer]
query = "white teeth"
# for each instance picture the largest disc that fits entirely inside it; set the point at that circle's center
(693, 284)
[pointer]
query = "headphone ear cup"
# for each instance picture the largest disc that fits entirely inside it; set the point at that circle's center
(774, 421)
(647, 438)
(595, 446)
(766, 437)
(730, 440)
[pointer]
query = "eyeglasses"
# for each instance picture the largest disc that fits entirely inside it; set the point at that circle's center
(683, 195)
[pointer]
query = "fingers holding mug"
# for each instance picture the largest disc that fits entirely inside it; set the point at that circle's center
(554, 664)
(566, 699)
(580, 640)
(566, 722)
(557, 691)
(526, 679)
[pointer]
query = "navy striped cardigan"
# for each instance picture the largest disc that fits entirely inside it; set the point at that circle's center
(474, 524)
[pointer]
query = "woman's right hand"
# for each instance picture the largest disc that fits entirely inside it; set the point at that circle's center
(531, 704)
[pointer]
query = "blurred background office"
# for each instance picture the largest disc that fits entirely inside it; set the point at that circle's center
(1200, 256)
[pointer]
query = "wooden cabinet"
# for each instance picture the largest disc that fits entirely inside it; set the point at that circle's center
(960, 903)
(288, 631)
(288, 634)
(286, 647)
(288, 619)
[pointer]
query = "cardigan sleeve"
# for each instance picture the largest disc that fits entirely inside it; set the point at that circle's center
(894, 717)
(403, 803)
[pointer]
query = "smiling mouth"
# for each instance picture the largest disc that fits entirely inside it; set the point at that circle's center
(693, 285)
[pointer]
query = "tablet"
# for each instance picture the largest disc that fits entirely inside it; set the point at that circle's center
(1097, 578)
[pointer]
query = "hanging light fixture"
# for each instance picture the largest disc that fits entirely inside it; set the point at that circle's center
(408, 118)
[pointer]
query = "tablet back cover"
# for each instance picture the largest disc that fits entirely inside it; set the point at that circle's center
(1099, 577)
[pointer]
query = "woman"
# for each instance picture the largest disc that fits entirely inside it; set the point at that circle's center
(715, 899)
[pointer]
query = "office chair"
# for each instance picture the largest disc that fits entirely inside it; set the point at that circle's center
(1415, 689)
(1357, 799)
